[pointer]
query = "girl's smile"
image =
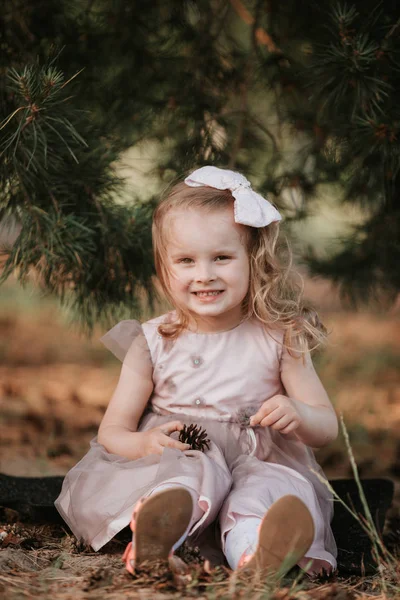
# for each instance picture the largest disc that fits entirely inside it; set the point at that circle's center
(208, 267)
(208, 296)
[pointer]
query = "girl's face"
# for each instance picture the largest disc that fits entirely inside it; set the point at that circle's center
(208, 266)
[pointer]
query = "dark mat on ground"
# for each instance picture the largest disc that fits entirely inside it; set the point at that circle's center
(33, 499)
(354, 546)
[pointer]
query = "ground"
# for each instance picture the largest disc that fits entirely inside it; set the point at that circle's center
(54, 386)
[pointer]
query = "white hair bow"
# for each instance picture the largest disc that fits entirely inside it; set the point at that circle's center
(249, 207)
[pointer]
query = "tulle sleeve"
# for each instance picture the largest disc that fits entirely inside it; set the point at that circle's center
(128, 343)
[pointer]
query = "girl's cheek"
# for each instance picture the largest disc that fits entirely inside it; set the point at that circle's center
(181, 279)
(175, 275)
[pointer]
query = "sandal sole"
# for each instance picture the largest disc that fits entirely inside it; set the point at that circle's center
(161, 522)
(286, 533)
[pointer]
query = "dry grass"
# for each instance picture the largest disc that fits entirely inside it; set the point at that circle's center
(46, 563)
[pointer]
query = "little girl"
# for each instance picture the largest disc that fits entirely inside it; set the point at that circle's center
(233, 359)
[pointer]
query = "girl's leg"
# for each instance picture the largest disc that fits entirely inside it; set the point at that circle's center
(160, 524)
(258, 489)
(162, 521)
(202, 479)
(275, 542)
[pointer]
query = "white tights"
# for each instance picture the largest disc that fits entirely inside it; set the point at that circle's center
(242, 538)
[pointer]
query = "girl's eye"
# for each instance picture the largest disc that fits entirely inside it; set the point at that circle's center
(222, 257)
(185, 261)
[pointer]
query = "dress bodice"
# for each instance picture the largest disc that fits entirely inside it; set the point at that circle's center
(223, 375)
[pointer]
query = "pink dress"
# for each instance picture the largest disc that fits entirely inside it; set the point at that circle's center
(215, 380)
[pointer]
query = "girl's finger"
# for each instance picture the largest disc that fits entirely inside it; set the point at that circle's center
(171, 443)
(168, 428)
(281, 423)
(257, 418)
(262, 412)
(271, 418)
(291, 427)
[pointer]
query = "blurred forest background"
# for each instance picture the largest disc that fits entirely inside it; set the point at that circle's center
(104, 103)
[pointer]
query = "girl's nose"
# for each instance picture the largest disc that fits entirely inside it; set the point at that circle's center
(205, 272)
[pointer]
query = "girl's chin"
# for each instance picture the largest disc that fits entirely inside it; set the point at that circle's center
(211, 310)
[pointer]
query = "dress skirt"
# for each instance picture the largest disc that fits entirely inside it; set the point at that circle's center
(241, 475)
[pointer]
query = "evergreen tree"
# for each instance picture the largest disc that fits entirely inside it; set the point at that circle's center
(294, 94)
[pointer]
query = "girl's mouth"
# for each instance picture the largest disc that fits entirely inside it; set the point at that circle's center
(208, 296)
(213, 293)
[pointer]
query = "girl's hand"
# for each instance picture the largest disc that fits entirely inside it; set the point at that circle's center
(153, 441)
(280, 413)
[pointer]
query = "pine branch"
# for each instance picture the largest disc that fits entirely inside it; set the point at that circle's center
(60, 188)
(321, 109)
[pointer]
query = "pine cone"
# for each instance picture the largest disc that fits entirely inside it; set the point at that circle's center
(195, 436)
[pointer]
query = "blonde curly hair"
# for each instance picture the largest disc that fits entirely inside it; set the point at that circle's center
(273, 297)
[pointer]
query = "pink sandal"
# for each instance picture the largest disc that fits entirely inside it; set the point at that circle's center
(159, 526)
(285, 534)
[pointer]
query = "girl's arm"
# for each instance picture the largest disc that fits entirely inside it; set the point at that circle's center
(319, 423)
(118, 428)
(306, 410)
